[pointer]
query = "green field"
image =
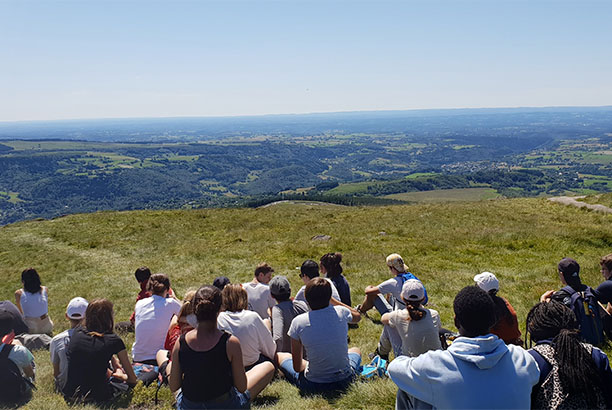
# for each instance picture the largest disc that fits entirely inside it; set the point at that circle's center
(445, 245)
(448, 195)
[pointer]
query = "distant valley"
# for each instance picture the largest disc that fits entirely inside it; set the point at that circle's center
(48, 169)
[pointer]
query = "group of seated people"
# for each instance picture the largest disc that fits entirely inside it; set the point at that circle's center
(224, 343)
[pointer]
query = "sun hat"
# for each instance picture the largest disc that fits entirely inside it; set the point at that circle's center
(395, 261)
(486, 281)
(413, 290)
(76, 308)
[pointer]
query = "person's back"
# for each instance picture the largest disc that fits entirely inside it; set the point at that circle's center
(573, 374)
(282, 316)
(153, 315)
(477, 371)
(75, 313)
(249, 328)
(418, 336)
(16, 363)
(258, 291)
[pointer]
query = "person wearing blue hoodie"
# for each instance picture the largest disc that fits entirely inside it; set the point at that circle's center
(477, 371)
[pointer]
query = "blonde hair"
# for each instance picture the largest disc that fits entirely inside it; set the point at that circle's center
(187, 307)
(235, 298)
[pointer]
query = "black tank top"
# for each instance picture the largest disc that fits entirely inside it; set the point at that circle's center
(206, 375)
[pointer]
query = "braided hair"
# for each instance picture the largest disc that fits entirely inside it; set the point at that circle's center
(577, 370)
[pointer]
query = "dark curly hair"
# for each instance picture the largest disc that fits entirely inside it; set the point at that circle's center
(474, 310)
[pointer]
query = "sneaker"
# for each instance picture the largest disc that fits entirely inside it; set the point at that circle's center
(377, 353)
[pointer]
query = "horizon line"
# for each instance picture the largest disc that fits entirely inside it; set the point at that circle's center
(364, 111)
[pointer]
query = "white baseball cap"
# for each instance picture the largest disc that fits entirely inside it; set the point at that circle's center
(486, 281)
(76, 308)
(413, 290)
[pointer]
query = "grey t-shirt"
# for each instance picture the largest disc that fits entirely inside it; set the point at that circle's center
(323, 334)
(282, 316)
(57, 348)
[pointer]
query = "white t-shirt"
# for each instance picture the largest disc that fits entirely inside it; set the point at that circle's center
(152, 318)
(302, 296)
(57, 348)
(259, 298)
(417, 336)
(323, 334)
(394, 287)
(249, 328)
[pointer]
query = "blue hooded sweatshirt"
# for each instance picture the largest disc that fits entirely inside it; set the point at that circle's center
(475, 373)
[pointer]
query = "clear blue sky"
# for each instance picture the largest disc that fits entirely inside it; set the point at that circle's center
(95, 59)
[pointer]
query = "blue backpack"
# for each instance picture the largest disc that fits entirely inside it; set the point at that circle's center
(587, 311)
(405, 277)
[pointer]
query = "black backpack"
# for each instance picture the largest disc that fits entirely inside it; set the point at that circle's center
(13, 386)
(587, 311)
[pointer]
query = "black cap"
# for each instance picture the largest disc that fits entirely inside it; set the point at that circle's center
(569, 268)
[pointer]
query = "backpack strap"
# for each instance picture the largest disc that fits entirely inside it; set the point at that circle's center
(6, 350)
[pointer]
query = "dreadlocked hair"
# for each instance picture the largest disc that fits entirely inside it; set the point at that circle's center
(577, 370)
(415, 310)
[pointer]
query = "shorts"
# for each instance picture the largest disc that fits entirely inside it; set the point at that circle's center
(235, 400)
(307, 386)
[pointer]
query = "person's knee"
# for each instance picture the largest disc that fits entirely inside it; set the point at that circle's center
(354, 350)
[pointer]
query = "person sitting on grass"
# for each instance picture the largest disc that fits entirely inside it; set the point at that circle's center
(32, 301)
(310, 270)
(90, 351)
(322, 332)
(207, 370)
(374, 298)
(16, 365)
(179, 325)
(573, 374)
(75, 313)
(258, 291)
(477, 371)
(153, 316)
(417, 326)
(506, 327)
(331, 268)
(255, 338)
(283, 312)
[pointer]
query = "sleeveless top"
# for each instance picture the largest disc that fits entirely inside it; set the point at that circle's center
(206, 375)
(550, 394)
(34, 304)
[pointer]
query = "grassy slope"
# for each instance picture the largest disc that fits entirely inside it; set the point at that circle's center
(447, 195)
(444, 244)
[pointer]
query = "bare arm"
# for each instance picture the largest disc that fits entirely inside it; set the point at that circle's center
(127, 367)
(356, 316)
(29, 371)
(296, 355)
(56, 369)
(176, 375)
(546, 296)
(234, 354)
(372, 290)
(18, 300)
(385, 319)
